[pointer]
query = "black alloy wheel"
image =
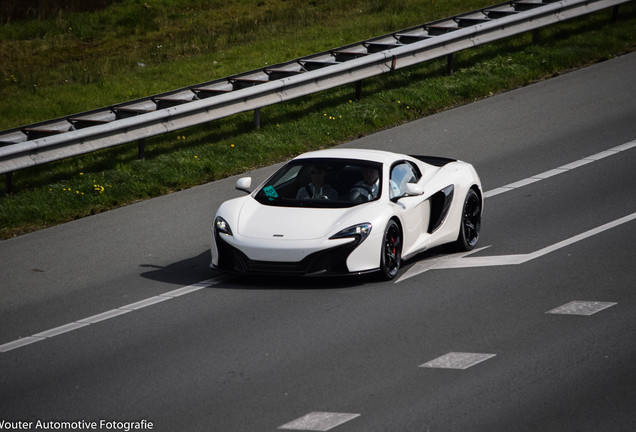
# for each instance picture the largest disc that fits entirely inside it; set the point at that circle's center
(471, 222)
(391, 251)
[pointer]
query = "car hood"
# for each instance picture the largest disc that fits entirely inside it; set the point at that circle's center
(291, 223)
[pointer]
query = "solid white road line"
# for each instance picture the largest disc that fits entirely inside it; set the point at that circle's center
(560, 170)
(104, 316)
(463, 260)
(111, 314)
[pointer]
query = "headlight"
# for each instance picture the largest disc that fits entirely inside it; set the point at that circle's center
(221, 226)
(359, 232)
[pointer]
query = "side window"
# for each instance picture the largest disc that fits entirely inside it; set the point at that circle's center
(401, 174)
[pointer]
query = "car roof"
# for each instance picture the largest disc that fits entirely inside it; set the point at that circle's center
(351, 153)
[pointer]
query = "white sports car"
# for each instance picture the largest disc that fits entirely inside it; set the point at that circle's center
(347, 211)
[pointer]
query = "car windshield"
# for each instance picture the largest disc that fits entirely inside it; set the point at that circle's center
(332, 183)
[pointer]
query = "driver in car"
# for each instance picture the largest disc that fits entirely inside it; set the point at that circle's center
(367, 188)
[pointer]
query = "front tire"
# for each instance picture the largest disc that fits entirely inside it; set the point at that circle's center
(470, 225)
(391, 255)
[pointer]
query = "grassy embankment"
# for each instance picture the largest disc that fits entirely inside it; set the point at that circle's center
(74, 62)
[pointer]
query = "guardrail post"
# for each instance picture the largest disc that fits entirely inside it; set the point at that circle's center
(9, 183)
(535, 37)
(615, 13)
(450, 64)
(257, 118)
(141, 149)
(358, 90)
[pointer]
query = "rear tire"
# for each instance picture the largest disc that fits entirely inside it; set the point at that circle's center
(391, 254)
(471, 222)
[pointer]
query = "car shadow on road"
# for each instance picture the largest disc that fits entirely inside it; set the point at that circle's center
(183, 273)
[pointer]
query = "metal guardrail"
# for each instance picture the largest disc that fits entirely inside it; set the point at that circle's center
(142, 118)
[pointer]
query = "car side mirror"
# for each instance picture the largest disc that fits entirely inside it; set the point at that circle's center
(414, 189)
(244, 184)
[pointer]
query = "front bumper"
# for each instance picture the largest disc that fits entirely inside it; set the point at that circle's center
(326, 262)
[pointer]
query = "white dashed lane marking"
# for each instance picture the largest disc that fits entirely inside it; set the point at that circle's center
(319, 421)
(457, 360)
(581, 308)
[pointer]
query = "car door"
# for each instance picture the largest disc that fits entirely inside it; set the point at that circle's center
(414, 211)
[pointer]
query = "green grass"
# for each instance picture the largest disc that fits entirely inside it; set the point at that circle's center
(80, 61)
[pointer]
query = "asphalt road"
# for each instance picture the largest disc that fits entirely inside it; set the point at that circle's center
(96, 325)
